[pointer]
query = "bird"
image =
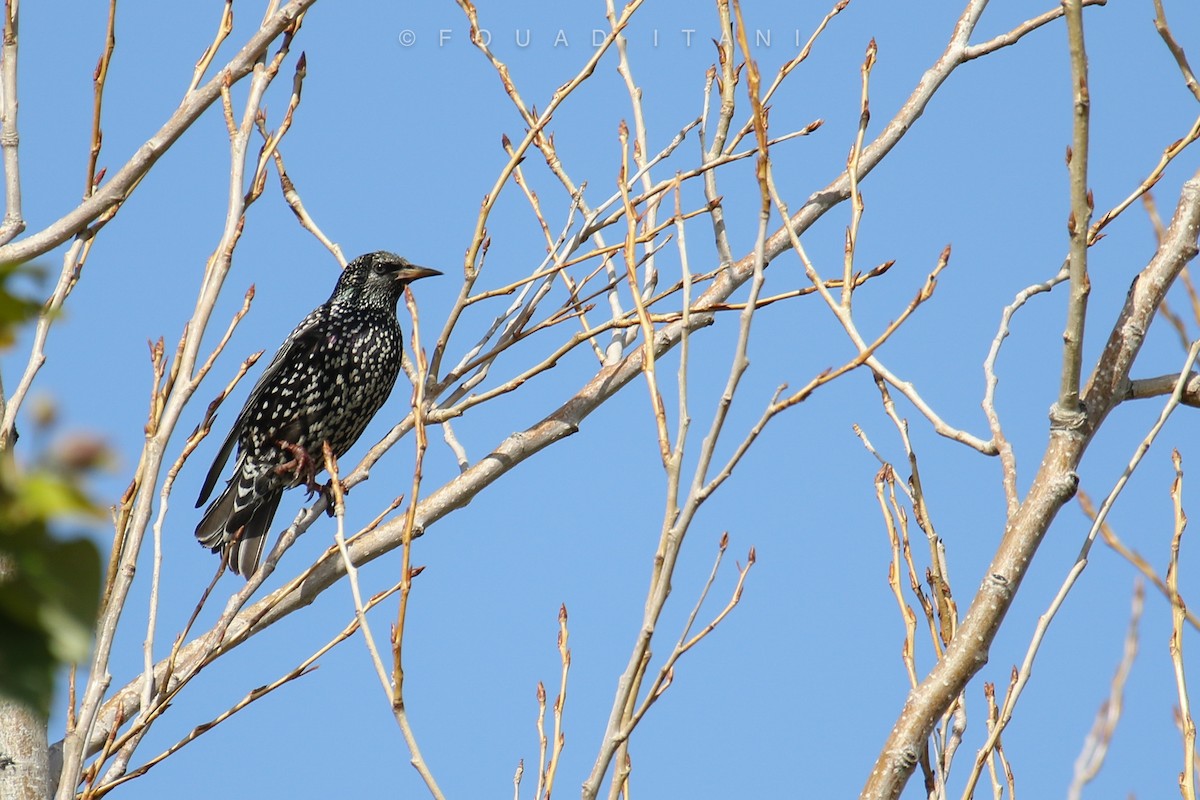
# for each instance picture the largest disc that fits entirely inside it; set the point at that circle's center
(329, 378)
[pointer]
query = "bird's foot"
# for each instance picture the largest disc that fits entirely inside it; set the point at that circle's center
(301, 467)
(326, 490)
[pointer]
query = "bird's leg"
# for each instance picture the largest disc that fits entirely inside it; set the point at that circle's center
(301, 466)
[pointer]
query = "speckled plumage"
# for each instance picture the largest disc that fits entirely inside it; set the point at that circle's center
(330, 376)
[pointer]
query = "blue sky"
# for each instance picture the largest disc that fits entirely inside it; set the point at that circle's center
(396, 142)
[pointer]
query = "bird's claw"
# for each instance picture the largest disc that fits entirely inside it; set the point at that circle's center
(326, 490)
(304, 470)
(301, 466)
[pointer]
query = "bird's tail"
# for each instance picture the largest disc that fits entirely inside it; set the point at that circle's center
(243, 506)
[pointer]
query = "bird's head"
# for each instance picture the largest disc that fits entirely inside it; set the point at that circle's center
(377, 280)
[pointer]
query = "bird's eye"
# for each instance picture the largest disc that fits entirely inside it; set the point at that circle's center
(379, 268)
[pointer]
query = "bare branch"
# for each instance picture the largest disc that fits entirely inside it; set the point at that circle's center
(73, 261)
(1054, 484)
(98, 81)
(1187, 778)
(512, 451)
(1066, 412)
(407, 571)
(224, 28)
(1143, 388)
(125, 180)
(14, 219)
(1164, 30)
(1077, 569)
(1008, 460)
(138, 504)
(1016, 34)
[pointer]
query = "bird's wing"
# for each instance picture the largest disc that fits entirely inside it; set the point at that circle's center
(299, 344)
(214, 472)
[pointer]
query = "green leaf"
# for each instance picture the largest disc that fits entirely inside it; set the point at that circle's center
(49, 598)
(47, 496)
(15, 309)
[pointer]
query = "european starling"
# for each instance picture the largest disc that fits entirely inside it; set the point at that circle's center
(330, 376)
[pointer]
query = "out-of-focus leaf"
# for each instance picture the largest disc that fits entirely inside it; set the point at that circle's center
(49, 587)
(48, 604)
(48, 496)
(14, 311)
(15, 308)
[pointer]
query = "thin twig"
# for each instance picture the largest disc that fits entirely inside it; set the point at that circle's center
(139, 506)
(1132, 556)
(564, 656)
(687, 639)
(1095, 746)
(98, 82)
(1187, 778)
(360, 612)
(118, 187)
(306, 666)
(1164, 30)
(407, 571)
(224, 28)
(14, 219)
(1008, 459)
(1067, 410)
